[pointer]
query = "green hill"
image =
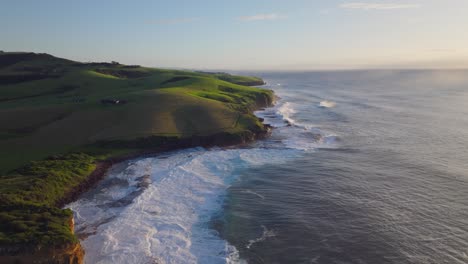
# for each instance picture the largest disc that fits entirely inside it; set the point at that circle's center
(59, 117)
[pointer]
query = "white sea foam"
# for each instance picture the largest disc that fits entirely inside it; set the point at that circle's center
(308, 141)
(294, 134)
(254, 193)
(327, 104)
(168, 222)
(158, 210)
(278, 116)
(265, 235)
(286, 111)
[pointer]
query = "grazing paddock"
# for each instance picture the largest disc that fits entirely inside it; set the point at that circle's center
(58, 118)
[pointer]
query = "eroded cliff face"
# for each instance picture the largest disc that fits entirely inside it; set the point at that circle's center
(71, 253)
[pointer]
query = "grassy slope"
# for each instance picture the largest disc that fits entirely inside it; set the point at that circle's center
(51, 106)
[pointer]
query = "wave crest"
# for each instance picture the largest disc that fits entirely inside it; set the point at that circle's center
(327, 104)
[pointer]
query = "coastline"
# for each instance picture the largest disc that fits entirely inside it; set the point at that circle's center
(158, 202)
(218, 139)
(103, 166)
(73, 252)
(88, 116)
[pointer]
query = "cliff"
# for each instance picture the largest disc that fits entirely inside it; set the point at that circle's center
(57, 138)
(68, 253)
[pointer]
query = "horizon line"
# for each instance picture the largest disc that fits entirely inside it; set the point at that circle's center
(259, 69)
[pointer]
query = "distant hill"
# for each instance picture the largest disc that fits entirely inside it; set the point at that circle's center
(59, 118)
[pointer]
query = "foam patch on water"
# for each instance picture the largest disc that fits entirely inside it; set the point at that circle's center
(292, 133)
(265, 235)
(309, 141)
(159, 209)
(254, 193)
(327, 104)
(281, 115)
(168, 221)
(286, 111)
(278, 116)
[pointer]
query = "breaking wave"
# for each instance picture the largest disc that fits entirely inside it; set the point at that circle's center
(158, 209)
(327, 104)
(168, 221)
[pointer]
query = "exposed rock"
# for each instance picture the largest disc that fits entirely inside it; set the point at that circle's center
(70, 254)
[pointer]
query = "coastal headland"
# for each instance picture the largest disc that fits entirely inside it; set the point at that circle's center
(64, 123)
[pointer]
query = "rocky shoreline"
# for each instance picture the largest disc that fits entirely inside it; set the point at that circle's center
(219, 140)
(73, 253)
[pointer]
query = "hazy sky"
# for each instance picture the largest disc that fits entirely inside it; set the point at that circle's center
(250, 34)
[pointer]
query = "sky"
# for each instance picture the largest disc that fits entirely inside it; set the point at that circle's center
(243, 34)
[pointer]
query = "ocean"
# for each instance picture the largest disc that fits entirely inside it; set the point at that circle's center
(361, 167)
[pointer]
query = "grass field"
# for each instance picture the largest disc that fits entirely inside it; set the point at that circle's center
(55, 114)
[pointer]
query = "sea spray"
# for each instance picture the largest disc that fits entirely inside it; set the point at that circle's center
(158, 209)
(168, 221)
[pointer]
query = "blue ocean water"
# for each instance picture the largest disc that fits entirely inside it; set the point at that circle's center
(362, 167)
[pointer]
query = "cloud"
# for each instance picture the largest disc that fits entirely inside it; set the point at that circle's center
(173, 21)
(259, 17)
(377, 6)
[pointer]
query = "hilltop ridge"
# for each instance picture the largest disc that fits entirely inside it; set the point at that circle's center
(60, 120)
